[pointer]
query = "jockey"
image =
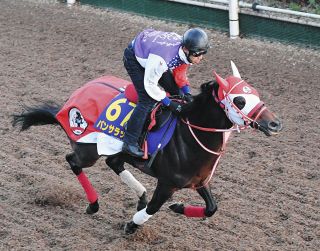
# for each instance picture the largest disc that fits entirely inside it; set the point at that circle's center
(157, 63)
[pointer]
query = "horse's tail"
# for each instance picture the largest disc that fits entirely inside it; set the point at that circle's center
(40, 115)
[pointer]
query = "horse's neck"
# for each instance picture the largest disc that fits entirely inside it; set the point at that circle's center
(188, 155)
(184, 156)
(207, 113)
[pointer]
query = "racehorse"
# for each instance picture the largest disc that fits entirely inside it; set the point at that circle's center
(187, 159)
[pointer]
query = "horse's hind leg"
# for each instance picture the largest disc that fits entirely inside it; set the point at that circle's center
(198, 211)
(80, 159)
(117, 165)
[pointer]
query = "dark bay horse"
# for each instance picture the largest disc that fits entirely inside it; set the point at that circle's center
(189, 158)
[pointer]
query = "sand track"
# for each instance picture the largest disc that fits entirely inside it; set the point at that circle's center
(267, 188)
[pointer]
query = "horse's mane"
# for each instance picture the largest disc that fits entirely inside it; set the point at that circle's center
(201, 98)
(206, 90)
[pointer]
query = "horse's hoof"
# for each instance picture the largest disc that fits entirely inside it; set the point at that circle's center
(177, 208)
(130, 227)
(93, 208)
(142, 202)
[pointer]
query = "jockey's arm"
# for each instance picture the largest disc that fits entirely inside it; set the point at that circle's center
(154, 68)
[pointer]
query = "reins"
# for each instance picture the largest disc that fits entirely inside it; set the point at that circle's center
(225, 132)
(206, 129)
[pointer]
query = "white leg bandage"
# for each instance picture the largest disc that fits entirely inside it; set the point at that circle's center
(131, 182)
(141, 217)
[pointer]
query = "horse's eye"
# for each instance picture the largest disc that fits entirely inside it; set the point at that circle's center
(240, 102)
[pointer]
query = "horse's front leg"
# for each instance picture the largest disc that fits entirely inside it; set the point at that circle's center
(117, 165)
(197, 211)
(161, 194)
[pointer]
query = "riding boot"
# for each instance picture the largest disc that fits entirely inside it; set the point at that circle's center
(135, 128)
(133, 150)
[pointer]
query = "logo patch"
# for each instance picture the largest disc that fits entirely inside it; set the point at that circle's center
(246, 89)
(76, 121)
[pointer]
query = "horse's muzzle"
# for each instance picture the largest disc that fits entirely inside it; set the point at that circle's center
(269, 126)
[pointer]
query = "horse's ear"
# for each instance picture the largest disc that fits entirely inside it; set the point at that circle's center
(222, 82)
(235, 71)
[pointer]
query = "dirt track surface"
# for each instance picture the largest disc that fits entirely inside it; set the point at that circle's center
(267, 188)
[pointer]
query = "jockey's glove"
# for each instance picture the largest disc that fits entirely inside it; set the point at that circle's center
(175, 107)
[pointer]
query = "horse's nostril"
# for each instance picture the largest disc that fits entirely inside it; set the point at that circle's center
(275, 125)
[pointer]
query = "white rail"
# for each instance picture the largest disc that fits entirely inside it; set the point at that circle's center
(241, 6)
(277, 10)
(257, 7)
(202, 4)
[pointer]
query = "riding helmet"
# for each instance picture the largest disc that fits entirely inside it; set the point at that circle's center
(195, 40)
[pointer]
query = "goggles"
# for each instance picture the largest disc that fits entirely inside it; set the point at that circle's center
(197, 53)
